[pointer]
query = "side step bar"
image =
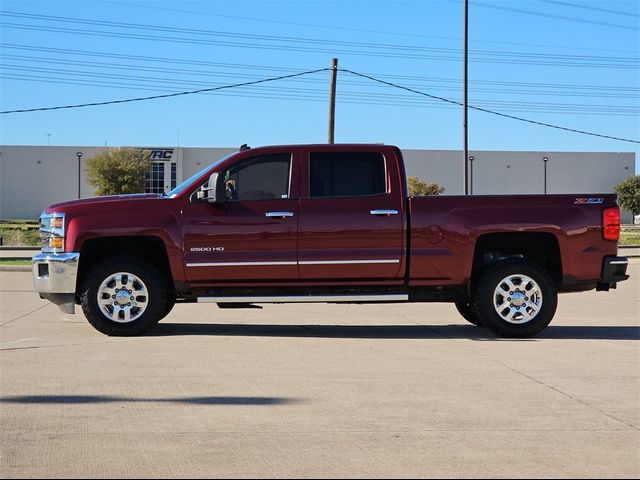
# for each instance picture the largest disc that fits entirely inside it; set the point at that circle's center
(384, 298)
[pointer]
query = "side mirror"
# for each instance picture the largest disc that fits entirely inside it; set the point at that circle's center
(214, 191)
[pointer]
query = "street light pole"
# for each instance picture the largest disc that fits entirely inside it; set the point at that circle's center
(465, 106)
(79, 154)
(471, 159)
(545, 160)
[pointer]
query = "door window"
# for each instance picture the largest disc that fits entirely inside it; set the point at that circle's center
(266, 177)
(347, 174)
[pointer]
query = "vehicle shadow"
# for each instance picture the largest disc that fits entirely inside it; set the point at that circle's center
(389, 331)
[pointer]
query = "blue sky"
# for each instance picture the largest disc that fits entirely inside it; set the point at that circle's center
(570, 63)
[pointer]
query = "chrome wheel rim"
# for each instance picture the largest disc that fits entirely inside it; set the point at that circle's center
(517, 299)
(123, 297)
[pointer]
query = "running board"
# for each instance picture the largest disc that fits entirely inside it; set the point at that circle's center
(384, 298)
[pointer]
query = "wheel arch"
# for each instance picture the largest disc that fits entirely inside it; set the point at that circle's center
(150, 248)
(540, 247)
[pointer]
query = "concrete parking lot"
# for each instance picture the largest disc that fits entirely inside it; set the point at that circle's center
(320, 391)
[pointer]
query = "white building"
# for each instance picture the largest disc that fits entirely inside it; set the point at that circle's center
(32, 177)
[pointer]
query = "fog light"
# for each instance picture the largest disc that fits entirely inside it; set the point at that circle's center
(56, 242)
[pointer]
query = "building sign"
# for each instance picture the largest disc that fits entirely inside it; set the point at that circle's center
(160, 155)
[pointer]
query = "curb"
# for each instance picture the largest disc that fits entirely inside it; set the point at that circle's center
(15, 268)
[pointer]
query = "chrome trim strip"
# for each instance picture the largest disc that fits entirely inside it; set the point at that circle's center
(619, 262)
(306, 299)
(346, 262)
(304, 262)
(239, 264)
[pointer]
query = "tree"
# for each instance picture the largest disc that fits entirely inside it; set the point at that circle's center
(118, 170)
(628, 192)
(419, 188)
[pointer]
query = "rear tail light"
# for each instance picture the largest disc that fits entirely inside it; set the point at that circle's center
(611, 223)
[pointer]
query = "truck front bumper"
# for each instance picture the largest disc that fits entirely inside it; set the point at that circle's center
(614, 270)
(54, 278)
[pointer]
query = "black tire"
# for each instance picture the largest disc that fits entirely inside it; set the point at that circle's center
(469, 314)
(171, 302)
(137, 272)
(530, 308)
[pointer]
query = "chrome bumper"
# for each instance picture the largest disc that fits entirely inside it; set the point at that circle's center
(54, 278)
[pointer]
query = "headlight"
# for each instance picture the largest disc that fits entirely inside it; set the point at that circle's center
(58, 222)
(52, 232)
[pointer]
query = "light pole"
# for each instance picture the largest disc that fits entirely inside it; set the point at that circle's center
(79, 154)
(545, 160)
(471, 159)
(465, 108)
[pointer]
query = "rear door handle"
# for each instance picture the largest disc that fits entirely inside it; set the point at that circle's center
(384, 212)
(278, 214)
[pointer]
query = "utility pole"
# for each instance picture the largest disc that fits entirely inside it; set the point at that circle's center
(332, 99)
(465, 106)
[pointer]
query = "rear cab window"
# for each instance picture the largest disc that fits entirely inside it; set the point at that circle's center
(347, 174)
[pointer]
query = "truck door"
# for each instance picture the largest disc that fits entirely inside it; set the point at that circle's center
(253, 236)
(352, 224)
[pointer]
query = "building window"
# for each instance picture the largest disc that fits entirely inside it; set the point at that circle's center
(155, 178)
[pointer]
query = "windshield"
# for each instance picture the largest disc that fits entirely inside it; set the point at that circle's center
(187, 183)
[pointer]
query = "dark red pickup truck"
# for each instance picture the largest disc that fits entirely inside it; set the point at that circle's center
(324, 223)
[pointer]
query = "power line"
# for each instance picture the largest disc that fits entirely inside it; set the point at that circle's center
(282, 77)
(513, 58)
(244, 67)
(99, 68)
(557, 17)
(346, 95)
(595, 9)
(534, 122)
(167, 95)
(334, 27)
(288, 43)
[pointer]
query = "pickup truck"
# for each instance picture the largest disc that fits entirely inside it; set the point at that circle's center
(324, 223)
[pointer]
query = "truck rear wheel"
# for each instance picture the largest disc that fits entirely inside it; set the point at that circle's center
(468, 313)
(515, 298)
(123, 295)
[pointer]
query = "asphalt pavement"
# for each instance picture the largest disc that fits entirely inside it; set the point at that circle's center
(331, 391)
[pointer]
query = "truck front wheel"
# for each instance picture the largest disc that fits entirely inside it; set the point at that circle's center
(123, 295)
(515, 298)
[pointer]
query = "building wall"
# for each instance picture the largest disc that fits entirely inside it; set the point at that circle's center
(32, 177)
(521, 172)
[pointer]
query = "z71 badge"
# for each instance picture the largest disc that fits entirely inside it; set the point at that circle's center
(591, 200)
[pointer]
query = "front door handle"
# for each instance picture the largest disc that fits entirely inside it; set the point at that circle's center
(384, 212)
(278, 214)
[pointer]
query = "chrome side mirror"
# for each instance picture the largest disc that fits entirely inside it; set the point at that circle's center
(214, 190)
